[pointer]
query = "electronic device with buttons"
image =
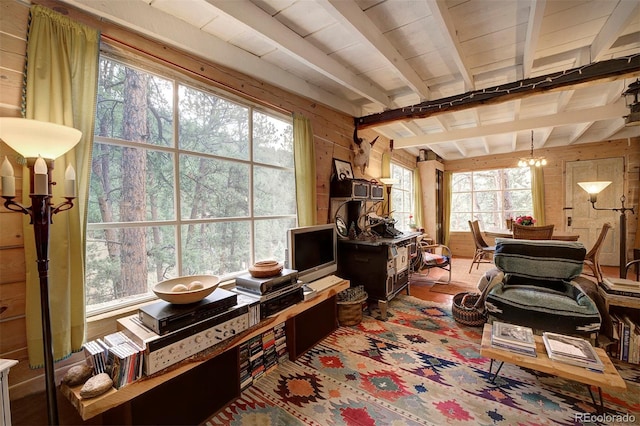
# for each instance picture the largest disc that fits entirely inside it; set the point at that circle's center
(164, 317)
(166, 350)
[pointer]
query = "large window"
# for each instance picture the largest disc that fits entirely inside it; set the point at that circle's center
(184, 181)
(490, 196)
(402, 196)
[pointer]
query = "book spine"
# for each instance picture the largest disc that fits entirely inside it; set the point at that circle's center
(625, 342)
(626, 293)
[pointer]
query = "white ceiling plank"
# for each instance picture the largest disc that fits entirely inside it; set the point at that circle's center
(561, 119)
(412, 127)
(349, 14)
(546, 134)
(578, 131)
(175, 32)
(623, 14)
(246, 13)
(444, 22)
(536, 13)
(457, 146)
(613, 128)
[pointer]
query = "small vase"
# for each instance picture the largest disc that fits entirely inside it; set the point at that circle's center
(509, 224)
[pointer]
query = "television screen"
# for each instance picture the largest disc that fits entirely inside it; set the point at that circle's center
(312, 251)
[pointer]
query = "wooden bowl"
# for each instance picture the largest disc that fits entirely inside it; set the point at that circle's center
(164, 289)
(265, 268)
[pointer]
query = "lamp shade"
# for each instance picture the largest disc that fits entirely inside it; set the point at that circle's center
(33, 138)
(594, 187)
(389, 181)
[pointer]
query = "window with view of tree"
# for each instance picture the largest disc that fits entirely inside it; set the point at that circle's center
(490, 196)
(184, 181)
(402, 196)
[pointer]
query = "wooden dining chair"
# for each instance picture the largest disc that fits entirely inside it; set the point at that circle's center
(591, 259)
(522, 232)
(483, 250)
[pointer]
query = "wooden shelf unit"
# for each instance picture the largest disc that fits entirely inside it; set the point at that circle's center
(138, 401)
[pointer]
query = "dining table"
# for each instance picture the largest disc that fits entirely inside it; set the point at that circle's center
(507, 233)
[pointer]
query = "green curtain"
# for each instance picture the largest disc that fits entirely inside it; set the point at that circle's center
(61, 83)
(417, 198)
(305, 168)
(385, 172)
(537, 192)
(385, 168)
(446, 220)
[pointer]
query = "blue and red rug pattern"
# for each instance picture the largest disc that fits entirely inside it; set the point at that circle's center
(419, 367)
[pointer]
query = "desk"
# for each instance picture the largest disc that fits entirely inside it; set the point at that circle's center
(194, 384)
(506, 233)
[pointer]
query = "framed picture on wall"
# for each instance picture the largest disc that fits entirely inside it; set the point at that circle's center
(343, 169)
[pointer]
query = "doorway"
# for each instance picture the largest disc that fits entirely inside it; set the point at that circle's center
(584, 220)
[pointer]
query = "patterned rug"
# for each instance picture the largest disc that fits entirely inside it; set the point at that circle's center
(417, 368)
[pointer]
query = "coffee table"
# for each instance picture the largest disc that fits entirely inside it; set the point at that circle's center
(609, 379)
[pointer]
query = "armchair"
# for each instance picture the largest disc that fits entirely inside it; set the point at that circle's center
(539, 288)
(433, 256)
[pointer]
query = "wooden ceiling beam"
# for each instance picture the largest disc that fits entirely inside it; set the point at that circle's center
(611, 69)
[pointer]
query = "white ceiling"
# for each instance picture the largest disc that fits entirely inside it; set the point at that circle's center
(366, 57)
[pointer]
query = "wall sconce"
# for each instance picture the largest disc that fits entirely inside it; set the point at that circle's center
(593, 189)
(389, 182)
(631, 96)
(40, 143)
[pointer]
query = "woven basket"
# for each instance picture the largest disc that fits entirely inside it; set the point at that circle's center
(350, 313)
(466, 312)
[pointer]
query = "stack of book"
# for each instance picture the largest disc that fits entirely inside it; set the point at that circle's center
(116, 355)
(572, 350)
(621, 287)
(514, 338)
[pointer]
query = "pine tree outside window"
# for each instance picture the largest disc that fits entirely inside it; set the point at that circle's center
(184, 181)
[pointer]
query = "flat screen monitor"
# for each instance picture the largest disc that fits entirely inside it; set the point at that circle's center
(312, 251)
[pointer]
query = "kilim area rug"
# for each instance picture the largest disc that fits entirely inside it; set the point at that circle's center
(417, 368)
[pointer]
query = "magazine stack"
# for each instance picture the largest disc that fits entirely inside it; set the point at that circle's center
(514, 338)
(621, 287)
(572, 350)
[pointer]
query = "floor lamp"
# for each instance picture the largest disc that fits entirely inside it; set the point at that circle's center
(40, 143)
(388, 182)
(594, 188)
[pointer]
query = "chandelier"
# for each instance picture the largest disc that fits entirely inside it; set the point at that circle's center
(531, 160)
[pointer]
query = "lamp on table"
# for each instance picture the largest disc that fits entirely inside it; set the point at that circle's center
(40, 143)
(593, 189)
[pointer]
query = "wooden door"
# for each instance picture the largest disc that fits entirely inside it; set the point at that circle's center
(587, 222)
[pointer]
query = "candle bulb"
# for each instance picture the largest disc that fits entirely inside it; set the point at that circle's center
(40, 178)
(8, 180)
(70, 182)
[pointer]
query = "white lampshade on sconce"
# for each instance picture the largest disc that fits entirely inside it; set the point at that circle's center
(33, 138)
(40, 143)
(593, 189)
(631, 97)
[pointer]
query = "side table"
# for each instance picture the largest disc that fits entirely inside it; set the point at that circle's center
(5, 409)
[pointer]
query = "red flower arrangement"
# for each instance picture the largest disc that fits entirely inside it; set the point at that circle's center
(525, 220)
